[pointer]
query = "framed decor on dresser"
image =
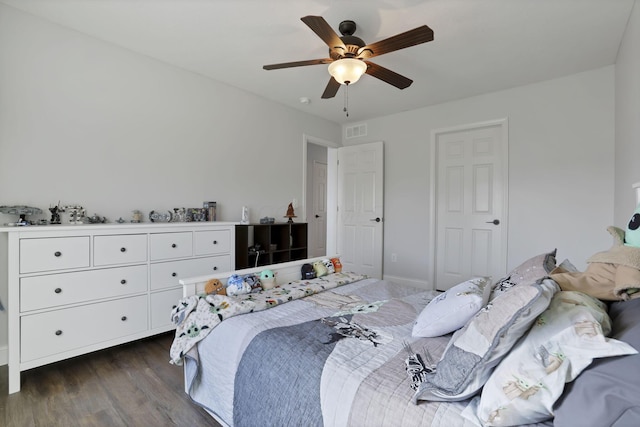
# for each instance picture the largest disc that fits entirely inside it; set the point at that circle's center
(74, 289)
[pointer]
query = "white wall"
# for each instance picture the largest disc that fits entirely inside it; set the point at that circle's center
(561, 169)
(86, 122)
(627, 119)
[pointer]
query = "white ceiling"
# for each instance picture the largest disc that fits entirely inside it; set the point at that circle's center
(480, 46)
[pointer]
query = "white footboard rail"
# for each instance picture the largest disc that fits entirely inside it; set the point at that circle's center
(284, 272)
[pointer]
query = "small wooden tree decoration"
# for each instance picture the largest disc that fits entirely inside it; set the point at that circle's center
(290, 213)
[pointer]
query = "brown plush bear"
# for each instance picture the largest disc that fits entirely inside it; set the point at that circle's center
(612, 275)
(215, 286)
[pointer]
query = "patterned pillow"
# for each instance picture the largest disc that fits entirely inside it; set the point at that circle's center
(562, 342)
(476, 349)
(606, 393)
(529, 271)
(452, 309)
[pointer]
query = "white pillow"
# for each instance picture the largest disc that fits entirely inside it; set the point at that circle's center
(452, 309)
(562, 342)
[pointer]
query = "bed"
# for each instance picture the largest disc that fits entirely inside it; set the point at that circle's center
(341, 350)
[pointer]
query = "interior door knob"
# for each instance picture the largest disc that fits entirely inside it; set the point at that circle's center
(376, 219)
(494, 222)
(317, 216)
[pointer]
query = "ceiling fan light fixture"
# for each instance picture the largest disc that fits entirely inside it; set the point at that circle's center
(347, 71)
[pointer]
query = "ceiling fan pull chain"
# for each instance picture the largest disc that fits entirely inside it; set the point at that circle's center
(346, 99)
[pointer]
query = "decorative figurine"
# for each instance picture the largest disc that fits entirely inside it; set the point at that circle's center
(22, 211)
(95, 219)
(137, 216)
(160, 216)
(76, 213)
(179, 215)
(55, 214)
(290, 213)
(245, 216)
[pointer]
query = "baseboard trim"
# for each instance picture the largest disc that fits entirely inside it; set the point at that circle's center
(4, 355)
(424, 284)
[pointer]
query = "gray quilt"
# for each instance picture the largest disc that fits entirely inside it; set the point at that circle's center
(333, 359)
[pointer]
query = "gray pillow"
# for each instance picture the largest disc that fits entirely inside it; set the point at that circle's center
(529, 271)
(606, 393)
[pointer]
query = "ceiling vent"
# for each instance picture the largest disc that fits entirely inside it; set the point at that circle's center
(356, 131)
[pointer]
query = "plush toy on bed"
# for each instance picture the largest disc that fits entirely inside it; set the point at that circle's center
(611, 275)
(236, 285)
(268, 279)
(215, 287)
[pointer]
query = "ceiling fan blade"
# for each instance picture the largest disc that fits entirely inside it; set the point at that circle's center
(409, 38)
(388, 76)
(297, 63)
(319, 26)
(331, 89)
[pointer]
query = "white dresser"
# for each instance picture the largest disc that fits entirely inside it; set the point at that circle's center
(74, 289)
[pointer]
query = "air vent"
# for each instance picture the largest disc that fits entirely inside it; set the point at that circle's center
(356, 131)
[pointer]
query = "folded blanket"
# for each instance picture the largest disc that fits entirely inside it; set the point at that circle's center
(195, 316)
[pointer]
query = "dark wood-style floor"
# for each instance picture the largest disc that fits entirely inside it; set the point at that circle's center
(128, 385)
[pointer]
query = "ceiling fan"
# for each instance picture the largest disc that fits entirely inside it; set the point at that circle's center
(348, 54)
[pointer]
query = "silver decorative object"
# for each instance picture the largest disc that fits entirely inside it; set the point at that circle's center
(166, 216)
(22, 212)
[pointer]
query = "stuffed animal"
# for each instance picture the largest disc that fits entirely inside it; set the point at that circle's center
(611, 275)
(330, 268)
(214, 286)
(268, 279)
(320, 269)
(307, 272)
(253, 282)
(236, 285)
(337, 265)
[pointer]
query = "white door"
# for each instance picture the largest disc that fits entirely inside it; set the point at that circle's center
(471, 183)
(318, 220)
(360, 208)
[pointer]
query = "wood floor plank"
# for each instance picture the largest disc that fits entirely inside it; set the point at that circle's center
(128, 385)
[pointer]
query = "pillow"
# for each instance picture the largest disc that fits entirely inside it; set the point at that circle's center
(606, 393)
(452, 309)
(529, 271)
(563, 341)
(476, 349)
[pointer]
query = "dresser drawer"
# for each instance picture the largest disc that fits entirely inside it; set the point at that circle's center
(161, 305)
(119, 249)
(212, 242)
(68, 288)
(56, 253)
(170, 245)
(54, 332)
(167, 274)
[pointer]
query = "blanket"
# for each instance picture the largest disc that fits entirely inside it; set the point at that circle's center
(195, 316)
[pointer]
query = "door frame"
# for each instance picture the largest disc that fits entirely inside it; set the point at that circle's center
(332, 188)
(504, 124)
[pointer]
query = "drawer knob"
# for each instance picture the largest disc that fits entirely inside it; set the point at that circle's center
(215, 268)
(58, 253)
(215, 242)
(123, 249)
(123, 282)
(123, 318)
(57, 290)
(174, 274)
(58, 332)
(173, 245)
